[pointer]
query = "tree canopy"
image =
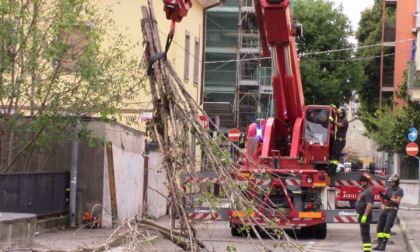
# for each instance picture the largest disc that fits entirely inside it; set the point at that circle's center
(329, 76)
(54, 69)
(389, 128)
(387, 125)
(369, 37)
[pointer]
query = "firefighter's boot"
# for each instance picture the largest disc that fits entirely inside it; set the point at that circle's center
(379, 244)
(383, 245)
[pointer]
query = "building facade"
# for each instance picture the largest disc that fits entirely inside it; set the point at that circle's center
(185, 52)
(400, 38)
(237, 86)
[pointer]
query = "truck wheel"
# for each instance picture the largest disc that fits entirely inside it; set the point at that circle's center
(320, 231)
(372, 168)
(306, 232)
(236, 230)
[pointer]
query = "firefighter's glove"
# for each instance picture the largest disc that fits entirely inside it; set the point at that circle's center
(363, 219)
(331, 118)
(383, 196)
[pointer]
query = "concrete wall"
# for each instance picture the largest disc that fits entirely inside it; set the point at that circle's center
(129, 179)
(93, 192)
(129, 160)
(411, 192)
(156, 201)
(16, 231)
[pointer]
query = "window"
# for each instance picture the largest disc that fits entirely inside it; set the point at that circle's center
(76, 41)
(196, 60)
(187, 57)
(317, 125)
(8, 40)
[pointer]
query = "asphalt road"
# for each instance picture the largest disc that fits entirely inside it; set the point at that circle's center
(340, 238)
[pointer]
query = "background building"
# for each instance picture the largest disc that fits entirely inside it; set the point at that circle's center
(237, 85)
(185, 53)
(401, 36)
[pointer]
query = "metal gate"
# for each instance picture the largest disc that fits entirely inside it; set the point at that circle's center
(38, 193)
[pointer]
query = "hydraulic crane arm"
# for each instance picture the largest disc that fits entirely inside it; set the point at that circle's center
(277, 33)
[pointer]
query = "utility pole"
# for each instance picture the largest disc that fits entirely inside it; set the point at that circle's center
(73, 175)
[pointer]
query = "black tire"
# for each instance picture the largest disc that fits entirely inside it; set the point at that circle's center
(354, 166)
(320, 231)
(372, 168)
(236, 230)
(306, 232)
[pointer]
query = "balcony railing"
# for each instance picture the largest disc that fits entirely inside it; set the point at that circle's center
(247, 3)
(413, 76)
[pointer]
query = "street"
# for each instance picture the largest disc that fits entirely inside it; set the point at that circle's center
(341, 237)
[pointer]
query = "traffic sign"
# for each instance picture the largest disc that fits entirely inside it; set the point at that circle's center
(204, 122)
(412, 149)
(234, 135)
(412, 134)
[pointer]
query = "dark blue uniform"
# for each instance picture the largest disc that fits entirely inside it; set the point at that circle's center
(388, 215)
(340, 138)
(365, 197)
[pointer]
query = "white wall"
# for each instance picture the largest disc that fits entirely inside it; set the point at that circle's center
(157, 203)
(411, 192)
(128, 150)
(128, 170)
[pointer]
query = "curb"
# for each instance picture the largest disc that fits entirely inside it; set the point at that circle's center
(408, 237)
(409, 208)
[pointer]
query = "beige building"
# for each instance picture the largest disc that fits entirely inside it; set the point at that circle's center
(185, 53)
(358, 145)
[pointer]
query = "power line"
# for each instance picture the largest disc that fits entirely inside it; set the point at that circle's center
(318, 53)
(348, 49)
(357, 59)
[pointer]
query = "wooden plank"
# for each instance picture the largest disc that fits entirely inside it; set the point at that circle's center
(112, 187)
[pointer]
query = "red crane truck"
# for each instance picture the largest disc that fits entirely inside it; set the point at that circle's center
(287, 170)
(289, 154)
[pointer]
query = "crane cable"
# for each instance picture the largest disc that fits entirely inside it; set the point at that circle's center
(175, 10)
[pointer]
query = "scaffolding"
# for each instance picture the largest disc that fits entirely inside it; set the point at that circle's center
(254, 90)
(235, 71)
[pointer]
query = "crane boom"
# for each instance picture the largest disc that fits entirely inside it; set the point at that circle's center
(277, 31)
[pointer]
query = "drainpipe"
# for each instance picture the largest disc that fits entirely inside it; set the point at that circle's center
(73, 176)
(145, 177)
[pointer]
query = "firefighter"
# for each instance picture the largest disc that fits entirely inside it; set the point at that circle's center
(342, 125)
(393, 196)
(363, 208)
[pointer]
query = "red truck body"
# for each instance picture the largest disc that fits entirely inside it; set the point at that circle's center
(286, 171)
(291, 152)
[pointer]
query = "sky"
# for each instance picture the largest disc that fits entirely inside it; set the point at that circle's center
(352, 9)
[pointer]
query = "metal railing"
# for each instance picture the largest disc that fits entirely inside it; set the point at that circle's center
(38, 193)
(413, 78)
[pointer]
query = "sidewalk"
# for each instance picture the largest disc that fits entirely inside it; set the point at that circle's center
(80, 239)
(409, 220)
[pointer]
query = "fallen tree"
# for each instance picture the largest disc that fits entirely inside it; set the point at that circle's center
(175, 121)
